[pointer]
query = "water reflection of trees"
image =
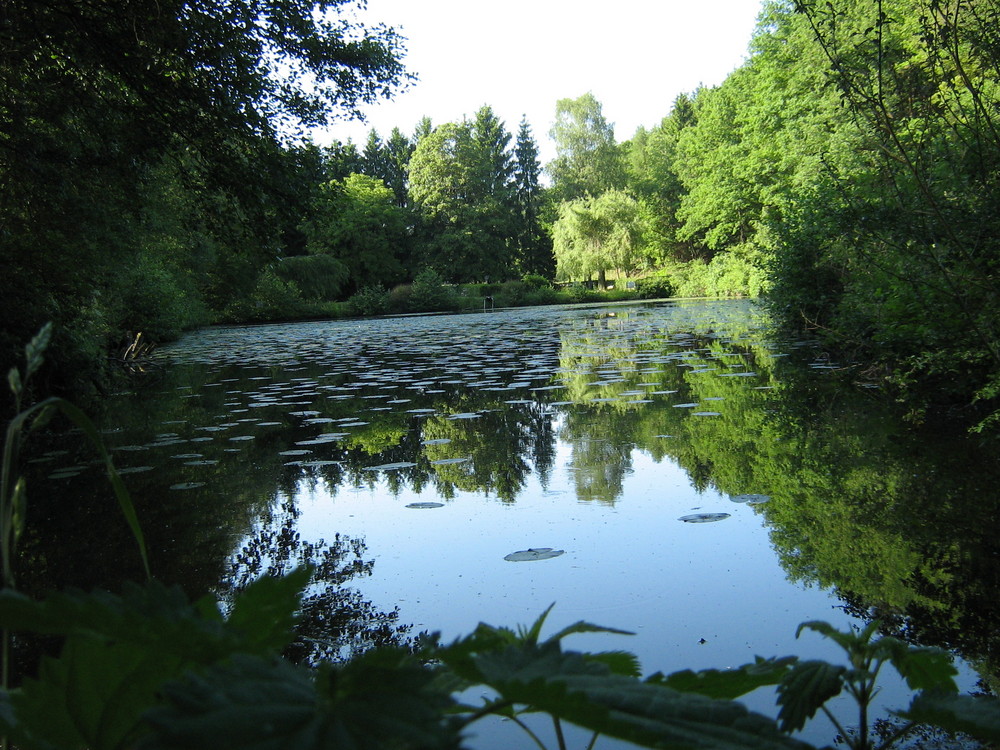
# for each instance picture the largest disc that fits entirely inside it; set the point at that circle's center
(335, 621)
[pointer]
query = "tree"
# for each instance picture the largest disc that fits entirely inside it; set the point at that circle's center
(357, 221)
(652, 176)
(596, 235)
(398, 152)
(588, 160)
(373, 158)
(533, 245)
(460, 182)
(98, 95)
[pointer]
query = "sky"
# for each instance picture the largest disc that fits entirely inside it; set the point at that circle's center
(522, 56)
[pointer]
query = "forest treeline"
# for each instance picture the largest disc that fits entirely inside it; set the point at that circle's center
(155, 179)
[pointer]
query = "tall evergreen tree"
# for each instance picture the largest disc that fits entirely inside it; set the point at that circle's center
(424, 128)
(373, 158)
(533, 246)
(398, 151)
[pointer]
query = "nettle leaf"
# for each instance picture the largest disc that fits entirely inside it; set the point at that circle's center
(35, 349)
(575, 687)
(159, 618)
(806, 687)
(619, 662)
(728, 684)
(92, 696)
(382, 699)
(586, 627)
(975, 715)
(14, 381)
(266, 610)
(847, 640)
(923, 668)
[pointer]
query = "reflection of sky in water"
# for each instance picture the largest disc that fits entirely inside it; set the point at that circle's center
(632, 566)
(697, 595)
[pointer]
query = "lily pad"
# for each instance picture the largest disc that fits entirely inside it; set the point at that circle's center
(390, 467)
(425, 505)
(535, 553)
(134, 469)
(704, 517)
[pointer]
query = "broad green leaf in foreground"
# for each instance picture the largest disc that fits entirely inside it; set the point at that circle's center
(728, 684)
(806, 687)
(977, 716)
(576, 688)
(923, 668)
(92, 696)
(381, 699)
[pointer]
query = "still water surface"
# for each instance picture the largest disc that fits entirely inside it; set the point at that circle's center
(447, 443)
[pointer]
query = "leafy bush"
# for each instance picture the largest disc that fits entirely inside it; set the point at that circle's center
(655, 287)
(153, 298)
(399, 298)
(318, 277)
(580, 293)
(371, 300)
(273, 298)
(430, 294)
(536, 280)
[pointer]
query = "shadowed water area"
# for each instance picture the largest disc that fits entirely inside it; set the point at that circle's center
(670, 469)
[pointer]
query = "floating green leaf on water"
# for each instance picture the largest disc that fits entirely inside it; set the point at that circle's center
(63, 475)
(390, 467)
(134, 469)
(425, 505)
(703, 517)
(534, 553)
(187, 485)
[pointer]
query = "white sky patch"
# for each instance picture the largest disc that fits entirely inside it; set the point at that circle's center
(521, 56)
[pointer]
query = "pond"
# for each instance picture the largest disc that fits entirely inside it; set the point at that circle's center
(670, 469)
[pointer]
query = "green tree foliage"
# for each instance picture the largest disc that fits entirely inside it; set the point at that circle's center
(461, 184)
(901, 229)
(597, 235)
(588, 160)
(99, 97)
(357, 221)
(533, 245)
(652, 176)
